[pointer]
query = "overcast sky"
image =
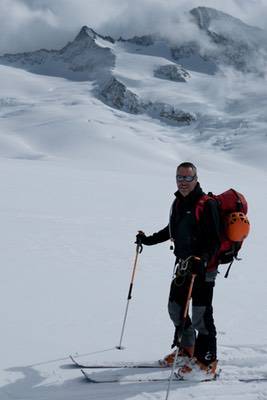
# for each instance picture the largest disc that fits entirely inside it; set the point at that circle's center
(32, 24)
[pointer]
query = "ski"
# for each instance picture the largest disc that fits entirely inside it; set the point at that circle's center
(118, 365)
(248, 380)
(162, 380)
(139, 380)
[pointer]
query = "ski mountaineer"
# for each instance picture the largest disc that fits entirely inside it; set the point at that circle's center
(191, 237)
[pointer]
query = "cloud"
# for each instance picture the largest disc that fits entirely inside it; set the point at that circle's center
(128, 18)
(27, 25)
(23, 27)
(153, 16)
(32, 24)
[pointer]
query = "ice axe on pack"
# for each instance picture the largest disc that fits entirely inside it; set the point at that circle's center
(139, 249)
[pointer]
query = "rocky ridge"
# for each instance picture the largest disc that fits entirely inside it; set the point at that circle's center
(172, 72)
(115, 94)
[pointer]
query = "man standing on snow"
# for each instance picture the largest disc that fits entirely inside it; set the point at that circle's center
(199, 238)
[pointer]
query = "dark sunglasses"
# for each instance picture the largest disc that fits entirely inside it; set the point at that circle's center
(181, 178)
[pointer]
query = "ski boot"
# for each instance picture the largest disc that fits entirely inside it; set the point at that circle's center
(197, 371)
(184, 355)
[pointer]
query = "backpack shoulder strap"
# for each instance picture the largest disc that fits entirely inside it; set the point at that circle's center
(201, 204)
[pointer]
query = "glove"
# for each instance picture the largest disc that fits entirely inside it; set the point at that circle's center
(141, 238)
(197, 266)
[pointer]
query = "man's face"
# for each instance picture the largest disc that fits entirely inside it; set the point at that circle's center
(185, 187)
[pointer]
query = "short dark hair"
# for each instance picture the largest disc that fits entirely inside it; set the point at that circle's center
(188, 165)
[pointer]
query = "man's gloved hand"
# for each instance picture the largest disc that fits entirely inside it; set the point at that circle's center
(141, 238)
(197, 266)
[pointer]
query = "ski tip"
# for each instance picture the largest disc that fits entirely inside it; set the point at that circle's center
(87, 377)
(74, 361)
(84, 374)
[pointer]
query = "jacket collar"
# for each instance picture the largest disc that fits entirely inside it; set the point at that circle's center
(192, 196)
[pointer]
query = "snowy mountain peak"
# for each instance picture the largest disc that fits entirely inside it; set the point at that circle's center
(213, 20)
(225, 41)
(205, 15)
(82, 59)
(87, 32)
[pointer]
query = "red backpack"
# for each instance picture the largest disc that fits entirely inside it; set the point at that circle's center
(228, 202)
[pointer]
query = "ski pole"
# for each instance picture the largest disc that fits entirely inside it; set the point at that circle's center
(189, 294)
(139, 249)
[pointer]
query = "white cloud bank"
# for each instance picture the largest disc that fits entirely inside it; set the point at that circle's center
(32, 24)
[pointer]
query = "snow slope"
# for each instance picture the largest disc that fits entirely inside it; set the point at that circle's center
(78, 179)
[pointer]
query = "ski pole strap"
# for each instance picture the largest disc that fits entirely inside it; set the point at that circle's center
(139, 247)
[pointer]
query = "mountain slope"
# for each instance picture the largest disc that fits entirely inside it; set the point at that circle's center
(82, 59)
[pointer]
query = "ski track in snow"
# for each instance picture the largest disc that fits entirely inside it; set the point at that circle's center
(57, 380)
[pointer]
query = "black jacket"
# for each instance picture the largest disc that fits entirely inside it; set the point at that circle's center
(191, 237)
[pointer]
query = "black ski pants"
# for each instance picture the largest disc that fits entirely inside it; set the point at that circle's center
(199, 331)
